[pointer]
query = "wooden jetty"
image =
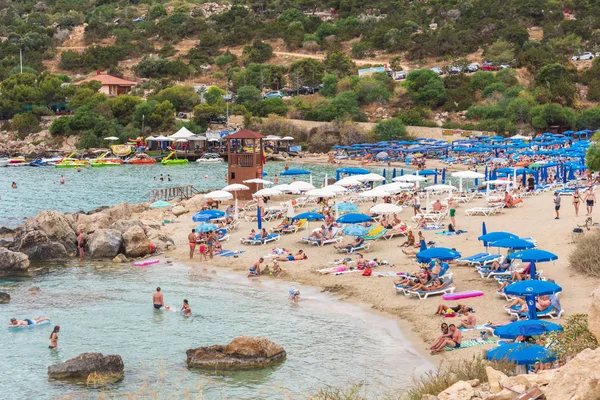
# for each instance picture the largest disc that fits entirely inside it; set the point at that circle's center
(170, 193)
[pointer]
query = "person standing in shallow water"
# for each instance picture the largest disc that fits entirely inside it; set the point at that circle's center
(157, 299)
(80, 244)
(54, 338)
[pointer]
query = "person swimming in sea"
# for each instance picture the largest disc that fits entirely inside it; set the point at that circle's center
(14, 185)
(187, 310)
(27, 321)
(294, 295)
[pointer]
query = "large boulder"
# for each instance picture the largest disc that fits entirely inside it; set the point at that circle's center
(461, 390)
(160, 240)
(38, 246)
(124, 224)
(57, 227)
(578, 379)
(242, 352)
(104, 243)
(4, 298)
(91, 223)
(13, 263)
(82, 366)
(594, 315)
(136, 242)
(178, 210)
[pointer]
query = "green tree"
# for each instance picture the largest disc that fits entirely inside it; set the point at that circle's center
(330, 83)
(426, 87)
(122, 107)
(157, 117)
(306, 72)
(339, 64)
(558, 80)
(258, 53)
(157, 11)
(248, 95)
(390, 129)
(547, 115)
(518, 110)
(593, 93)
(589, 119)
(214, 96)
(566, 45)
(501, 52)
(294, 35)
(204, 112)
(183, 98)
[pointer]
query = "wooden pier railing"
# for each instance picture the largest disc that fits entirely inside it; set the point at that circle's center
(170, 193)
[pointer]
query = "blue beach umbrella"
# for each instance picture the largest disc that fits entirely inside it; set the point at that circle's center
(309, 216)
(347, 207)
(521, 353)
(533, 256)
(440, 253)
(353, 218)
(207, 215)
(488, 238)
(160, 204)
(203, 228)
(530, 289)
(516, 244)
(355, 230)
(526, 327)
(295, 172)
(484, 229)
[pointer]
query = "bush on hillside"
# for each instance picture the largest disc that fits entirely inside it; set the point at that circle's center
(584, 258)
(575, 337)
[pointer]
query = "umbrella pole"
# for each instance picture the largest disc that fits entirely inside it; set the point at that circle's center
(531, 310)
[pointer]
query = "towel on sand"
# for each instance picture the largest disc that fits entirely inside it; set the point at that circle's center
(470, 343)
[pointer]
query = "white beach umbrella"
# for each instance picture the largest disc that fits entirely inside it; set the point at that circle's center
(386, 208)
(286, 188)
(371, 177)
(218, 195)
(348, 181)
(440, 188)
(234, 187)
(267, 192)
(495, 182)
(301, 185)
(321, 193)
(466, 175)
(374, 193)
(258, 180)
(395, 187)
(336, 188)
(409, 178)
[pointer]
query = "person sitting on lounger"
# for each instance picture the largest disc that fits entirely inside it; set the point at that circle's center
(541, 304)
(410, 281)
(284, 224)
(328, 236)
(396, 220)
(497, 267)
(354, 243)
(421, 224)
(454, 341)
(410, 240)
(446, 334)
(252, 235)
(437, 206)
(508, 200)
(329, 219)
(264, 233)
(469, 322)
(317, 235)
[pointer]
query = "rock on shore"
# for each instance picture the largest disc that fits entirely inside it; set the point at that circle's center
(80, 367)
(104, 243)
(136, 242)
(4, 298)
(242, 352)
(47, 236)
(13, 263)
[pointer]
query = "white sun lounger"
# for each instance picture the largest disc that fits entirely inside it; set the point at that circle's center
(486, 211)
(447, 288)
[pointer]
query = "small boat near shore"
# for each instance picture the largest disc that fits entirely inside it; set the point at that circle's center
(141, 159)
(69, 162)
(17, 162)
(210, 158)
(4, 162)
(105, 161)
(173, 161)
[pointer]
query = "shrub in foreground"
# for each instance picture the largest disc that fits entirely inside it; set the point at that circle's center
(584, 258)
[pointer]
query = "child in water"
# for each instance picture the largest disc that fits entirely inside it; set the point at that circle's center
(294, 295)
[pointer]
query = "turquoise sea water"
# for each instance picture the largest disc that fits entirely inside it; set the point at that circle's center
(39, 189)
(109, 309)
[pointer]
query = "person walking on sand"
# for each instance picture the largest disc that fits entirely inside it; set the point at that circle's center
(590, 201)
(54, 338)
(576, 199)
(452, 207)
(157, 299)
(557, 204)
(80, 244)
(192, 242)
(416, 203)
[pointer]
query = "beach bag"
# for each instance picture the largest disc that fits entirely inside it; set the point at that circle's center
(367, 272)
(451, 228)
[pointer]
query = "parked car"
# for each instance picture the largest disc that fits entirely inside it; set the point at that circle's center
(273, 95)
(304, 90)
(400, 75)
(455, 69)
(504, 66)
(489, 66)
(437, 70)
(581, 57)
(217, 119)
(474, 67)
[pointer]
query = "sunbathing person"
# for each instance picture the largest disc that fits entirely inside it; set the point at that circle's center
(497, 267)
(410, 240)
(412, 281)
(421, 224)
(437, 206)
(350, 245)
(217, 248)
(454, 341)
(541, 304)
(328, 236)
(340, 268)
(435, 284)
(317, 235)
(252, 235)
(445, 335)
(329, 219)
(277, 270)
(459, 309)
(284, 224)
(361, 262)
(469, 322)
(300, 255)
(264, 233)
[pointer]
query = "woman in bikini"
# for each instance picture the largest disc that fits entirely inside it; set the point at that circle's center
(187, 310)
(54, 338)
(576, 199)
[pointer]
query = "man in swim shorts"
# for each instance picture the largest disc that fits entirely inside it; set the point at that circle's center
(454, 341)
(255, 268)
(157, 299)
(27, 321)
(80, 244)
(192, 243)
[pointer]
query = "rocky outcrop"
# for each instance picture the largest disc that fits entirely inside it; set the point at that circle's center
(160, 240)
(461, 390)
(104, 243)
(594, 315)
(136, 242)
(4, 298)
(578, 379)
(80, 367)
(91, 223)
(48, 236)
(178, 210)
(242, 352)
(124, 224)
(120, 258)
(13, 263)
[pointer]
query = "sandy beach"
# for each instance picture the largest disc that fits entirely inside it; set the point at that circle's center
(535, 218)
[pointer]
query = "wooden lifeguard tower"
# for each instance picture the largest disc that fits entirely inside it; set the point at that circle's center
(245, 160)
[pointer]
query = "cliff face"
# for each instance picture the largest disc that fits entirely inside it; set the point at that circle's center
(36, 144)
